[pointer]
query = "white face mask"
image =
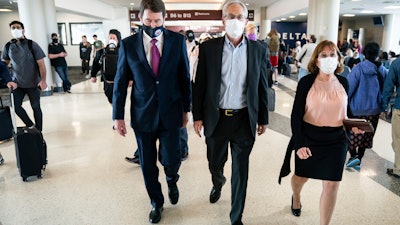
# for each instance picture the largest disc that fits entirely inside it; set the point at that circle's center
(328, 65)
(234, 28)
(16, 33)
(112, 42)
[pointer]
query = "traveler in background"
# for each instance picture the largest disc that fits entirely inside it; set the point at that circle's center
(319, 140)
(344, 46)
(160, 99)
(365, 100)
(392, 82)
(305, 55)
(85, 49)
(4, 73)
(194, 55)
(57, 56)
(235, 69)
(273, 45)
(28, 71)
(353, 61)
(282, 56)
(97, 53)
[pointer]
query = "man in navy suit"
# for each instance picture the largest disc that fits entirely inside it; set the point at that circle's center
(156, 60)
(229, 100)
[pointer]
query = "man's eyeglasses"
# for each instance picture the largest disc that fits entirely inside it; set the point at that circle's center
(232, 17)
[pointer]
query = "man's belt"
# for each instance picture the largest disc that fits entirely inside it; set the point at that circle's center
(231, 112)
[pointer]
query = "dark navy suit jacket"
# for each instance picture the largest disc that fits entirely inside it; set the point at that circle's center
(154, 99)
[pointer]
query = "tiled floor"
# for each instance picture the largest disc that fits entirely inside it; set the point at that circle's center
(87, 180)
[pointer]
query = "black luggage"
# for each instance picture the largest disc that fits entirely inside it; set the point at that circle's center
(5, 122)
(30, 148)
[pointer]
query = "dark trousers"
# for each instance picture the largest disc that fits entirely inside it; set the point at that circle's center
(234, 131)
(85, 66)
(34, 99)
(183, 136)
(63, 73)
(168, 154)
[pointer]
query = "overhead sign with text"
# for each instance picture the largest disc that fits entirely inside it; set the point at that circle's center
(290, 32)
(173, 15)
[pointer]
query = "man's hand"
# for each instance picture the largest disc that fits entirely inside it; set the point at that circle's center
(119, 126)
(42, 85)
(261, 129)
(198, 126)
(12, 85)
(185, 119)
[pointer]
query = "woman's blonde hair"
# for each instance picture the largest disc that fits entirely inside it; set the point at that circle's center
(273, 32)
(312, 66)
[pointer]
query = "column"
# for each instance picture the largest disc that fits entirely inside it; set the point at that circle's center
(391, 36)
(51, 25)
(264, 23)
(323, 19)
(31, 15)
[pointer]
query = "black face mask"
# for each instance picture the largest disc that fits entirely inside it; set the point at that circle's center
(55, 40)
(152, 32)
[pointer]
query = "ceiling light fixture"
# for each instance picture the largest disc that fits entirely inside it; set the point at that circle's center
(392, 7)
(367, 11)
(5, 10)
(302, 14)
(349, 15)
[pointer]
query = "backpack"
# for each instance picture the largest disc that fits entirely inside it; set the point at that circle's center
(29, 46)
(109, 61)
(274, 44)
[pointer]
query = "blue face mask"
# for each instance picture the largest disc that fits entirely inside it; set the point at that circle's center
(152, 32)
(252, 37)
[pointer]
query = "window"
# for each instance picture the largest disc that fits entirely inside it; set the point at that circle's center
(79, 29)
(62, 32)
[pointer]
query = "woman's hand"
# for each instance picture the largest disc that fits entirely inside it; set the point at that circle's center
(356, 130)
(304, 153)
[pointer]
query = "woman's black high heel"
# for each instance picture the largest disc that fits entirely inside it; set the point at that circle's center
(295, 212)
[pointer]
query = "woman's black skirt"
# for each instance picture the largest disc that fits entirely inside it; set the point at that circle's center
(328, 147)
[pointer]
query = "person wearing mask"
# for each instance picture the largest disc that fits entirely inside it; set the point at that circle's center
(156, 59)
(353, 61)
(4, 73)
(365, 99)
(194, 56)
(392, 83)
(28, 71)
(230, 111)
(57, 56)
(318, 139)
(85, 48)
(305, 54)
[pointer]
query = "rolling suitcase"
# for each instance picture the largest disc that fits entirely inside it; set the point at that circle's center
(5, 122)
(30, 148)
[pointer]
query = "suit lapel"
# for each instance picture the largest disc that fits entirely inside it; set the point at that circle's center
(167, 48)
(141, 53)
(218, 61)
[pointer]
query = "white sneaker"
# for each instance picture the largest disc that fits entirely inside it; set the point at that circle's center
(87, 76)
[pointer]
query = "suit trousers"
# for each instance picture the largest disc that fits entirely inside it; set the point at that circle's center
(168, 154)
(234, 131)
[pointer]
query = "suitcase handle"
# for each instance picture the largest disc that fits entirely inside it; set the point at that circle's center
(13, 117)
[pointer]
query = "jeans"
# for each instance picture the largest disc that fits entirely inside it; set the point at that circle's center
(85, 66)
(183, 137)
(63, 73)
(34, 99)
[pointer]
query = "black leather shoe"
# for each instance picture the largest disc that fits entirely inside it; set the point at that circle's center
(155, 215)
(173, 194)
(135, 159)
(216, 193)
(295, 212)
(185, 156)
(390, 172)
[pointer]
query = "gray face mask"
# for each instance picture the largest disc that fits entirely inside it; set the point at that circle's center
(16, 33)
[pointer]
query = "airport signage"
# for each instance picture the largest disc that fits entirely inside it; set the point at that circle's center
(174, 15)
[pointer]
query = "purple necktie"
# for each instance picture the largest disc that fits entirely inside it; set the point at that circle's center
(155, 57)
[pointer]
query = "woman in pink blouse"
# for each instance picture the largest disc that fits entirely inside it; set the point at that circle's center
(319, 140)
